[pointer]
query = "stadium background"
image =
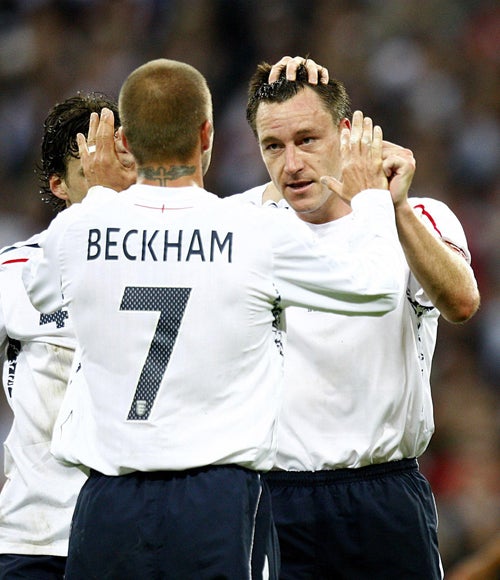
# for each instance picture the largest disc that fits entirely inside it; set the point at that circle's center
(426, 70)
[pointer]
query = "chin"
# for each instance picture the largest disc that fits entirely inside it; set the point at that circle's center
(302, 207)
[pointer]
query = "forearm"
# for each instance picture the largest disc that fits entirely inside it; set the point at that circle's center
(444, 274)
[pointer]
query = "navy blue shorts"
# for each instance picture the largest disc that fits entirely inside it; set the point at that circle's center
(375, 522)
(27, 567)
(198, 524)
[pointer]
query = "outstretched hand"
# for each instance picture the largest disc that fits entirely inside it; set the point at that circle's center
(105, 161)
(362, 160)
(315, 72)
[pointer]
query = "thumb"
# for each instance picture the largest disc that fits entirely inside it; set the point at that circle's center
(332, 184)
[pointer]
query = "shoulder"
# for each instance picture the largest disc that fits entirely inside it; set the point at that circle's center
(239, 204)
(442, 221)
(253, 195)
(273, 224)
(431, 209)
(21, 251)
(96, 198)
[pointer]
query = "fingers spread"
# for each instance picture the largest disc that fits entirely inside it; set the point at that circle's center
(356, 128)
(83, 150)
(377, 141)
(93, 124)
(104, 136)
(367, 135)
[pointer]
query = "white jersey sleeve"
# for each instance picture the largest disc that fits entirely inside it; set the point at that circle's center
(364, 282)
(439, 219)
(443, 224)
(38, 497)
(176, 298)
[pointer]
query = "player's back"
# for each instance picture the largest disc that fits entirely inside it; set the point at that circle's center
(173, 306)
(176, 299)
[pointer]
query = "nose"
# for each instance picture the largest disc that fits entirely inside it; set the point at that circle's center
(293, 160)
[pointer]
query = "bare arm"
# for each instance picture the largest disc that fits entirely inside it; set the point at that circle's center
(444, 274)
(442, 271)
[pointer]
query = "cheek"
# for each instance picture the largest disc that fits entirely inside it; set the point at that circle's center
(78, 188)
(79, 183)
(271, 163)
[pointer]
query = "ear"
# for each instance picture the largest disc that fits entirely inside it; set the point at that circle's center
(207, 135)
(345, 124)
(58, 187)
(121, 138)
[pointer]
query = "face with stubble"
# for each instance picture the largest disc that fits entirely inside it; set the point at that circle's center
(300, 143)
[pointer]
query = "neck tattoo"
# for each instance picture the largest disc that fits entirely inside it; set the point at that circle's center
(163, 175)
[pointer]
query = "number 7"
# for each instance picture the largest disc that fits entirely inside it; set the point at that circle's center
(171, 303)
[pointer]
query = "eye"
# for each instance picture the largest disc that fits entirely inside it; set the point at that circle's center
(308, 140)
(272, 147)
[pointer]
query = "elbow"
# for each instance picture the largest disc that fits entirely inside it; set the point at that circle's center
(462, 309)
(465, 313)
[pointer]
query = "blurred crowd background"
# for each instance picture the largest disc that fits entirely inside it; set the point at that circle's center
(426, 70)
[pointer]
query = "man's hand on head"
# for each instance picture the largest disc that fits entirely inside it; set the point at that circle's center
(315, 71)
(105, 160)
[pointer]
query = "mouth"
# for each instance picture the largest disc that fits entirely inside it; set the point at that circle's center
(299, 186)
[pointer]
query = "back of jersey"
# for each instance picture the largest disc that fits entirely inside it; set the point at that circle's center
(174, 306)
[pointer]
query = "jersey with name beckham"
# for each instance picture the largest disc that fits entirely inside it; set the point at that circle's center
(176, 297)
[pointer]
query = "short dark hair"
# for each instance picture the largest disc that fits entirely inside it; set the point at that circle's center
(60, 128)
(333, 95)
(163, 104)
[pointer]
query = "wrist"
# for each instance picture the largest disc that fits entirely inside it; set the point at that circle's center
(402, 207)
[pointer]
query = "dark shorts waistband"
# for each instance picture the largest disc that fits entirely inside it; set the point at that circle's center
(326, 476)
(155, 475)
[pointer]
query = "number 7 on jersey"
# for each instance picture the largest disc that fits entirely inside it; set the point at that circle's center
(171, 303)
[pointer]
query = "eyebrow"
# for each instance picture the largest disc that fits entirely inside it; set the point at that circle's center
(300, 133)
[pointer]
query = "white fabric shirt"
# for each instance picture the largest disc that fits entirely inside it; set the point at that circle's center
(176, 299)
(36, 351)
(357, 389)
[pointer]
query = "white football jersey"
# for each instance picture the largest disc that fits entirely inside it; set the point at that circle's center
(176, 297)
(36, 351)
(357, 389)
